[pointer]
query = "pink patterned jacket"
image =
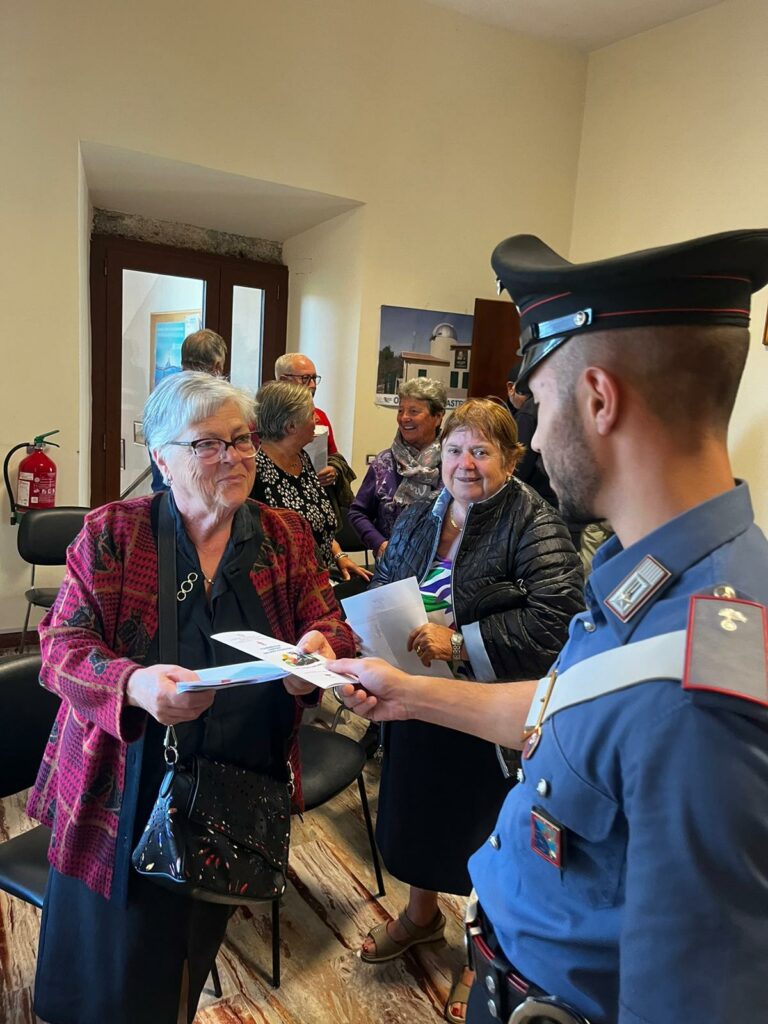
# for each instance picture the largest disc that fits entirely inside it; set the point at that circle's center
(91, 641)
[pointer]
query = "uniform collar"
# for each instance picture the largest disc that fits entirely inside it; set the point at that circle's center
(674, 547)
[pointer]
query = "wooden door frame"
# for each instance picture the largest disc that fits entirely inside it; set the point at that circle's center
(110, 255)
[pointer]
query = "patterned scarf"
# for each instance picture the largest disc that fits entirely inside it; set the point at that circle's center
(420, 470)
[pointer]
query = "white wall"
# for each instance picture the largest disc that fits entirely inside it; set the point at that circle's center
(452, 133)
(674, 146)
(324, 298)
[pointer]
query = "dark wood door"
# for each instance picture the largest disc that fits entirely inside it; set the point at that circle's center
(219, 278)
(495, 340)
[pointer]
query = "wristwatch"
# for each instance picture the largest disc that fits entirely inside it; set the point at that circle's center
(457, 642)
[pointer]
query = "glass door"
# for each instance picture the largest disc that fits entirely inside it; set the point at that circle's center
(145, 299)
(158, 312)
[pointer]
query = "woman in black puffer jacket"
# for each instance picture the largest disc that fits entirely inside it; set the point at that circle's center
(500, 580)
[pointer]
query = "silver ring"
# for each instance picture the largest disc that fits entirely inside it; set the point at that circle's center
(418, 650)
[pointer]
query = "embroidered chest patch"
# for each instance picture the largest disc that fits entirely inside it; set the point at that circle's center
(637, 588)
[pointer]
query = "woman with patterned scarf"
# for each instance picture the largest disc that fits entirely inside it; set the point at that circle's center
(408, 471)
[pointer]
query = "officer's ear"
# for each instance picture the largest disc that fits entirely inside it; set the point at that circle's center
(601, 398)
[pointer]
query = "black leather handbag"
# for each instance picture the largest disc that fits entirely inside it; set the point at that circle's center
(217, 832)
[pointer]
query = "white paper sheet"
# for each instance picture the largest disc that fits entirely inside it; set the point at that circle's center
(287, 657)
(317, 449)
(222, 677)
(384, 617)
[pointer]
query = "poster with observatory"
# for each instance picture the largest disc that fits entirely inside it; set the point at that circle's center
(423, 343)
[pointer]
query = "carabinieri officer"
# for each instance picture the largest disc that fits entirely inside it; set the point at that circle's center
(626, 880)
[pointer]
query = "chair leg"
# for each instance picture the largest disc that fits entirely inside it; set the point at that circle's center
(276, 943)
(216, 980)
(24, 628)
(371, 837)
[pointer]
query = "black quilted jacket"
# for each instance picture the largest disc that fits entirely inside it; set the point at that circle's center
(513, 536)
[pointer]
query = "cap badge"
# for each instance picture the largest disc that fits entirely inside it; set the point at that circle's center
(637, 588)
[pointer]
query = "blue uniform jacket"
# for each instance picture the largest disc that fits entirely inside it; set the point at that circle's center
(659, 914)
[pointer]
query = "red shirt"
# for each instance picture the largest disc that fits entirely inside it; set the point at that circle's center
(322, 420)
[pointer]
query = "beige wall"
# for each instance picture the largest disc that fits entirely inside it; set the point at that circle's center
(451, 133)
(674, 146)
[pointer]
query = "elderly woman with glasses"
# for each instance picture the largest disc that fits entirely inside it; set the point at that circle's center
(114, 946)
(407, 471)
(285, 477)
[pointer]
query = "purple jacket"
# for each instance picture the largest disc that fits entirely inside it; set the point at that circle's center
(374, 511)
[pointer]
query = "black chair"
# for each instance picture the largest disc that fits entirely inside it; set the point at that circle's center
(329, 763)
(27, 712)
(44, 536)
(349, 538)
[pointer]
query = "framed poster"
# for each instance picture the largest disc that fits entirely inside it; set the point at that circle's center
(167, 331)
(423, 343)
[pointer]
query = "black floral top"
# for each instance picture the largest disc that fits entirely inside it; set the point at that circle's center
(303, 493)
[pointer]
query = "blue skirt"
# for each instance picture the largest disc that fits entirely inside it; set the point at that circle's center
(105, 961)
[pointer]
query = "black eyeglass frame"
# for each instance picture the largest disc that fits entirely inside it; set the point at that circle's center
(305, 378)
(252, 437)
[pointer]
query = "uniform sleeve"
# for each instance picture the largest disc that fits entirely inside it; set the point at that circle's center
(77, 662)
(523, 642)
(695, 922)
(362, 512)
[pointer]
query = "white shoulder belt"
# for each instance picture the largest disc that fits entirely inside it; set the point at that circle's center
(660, 657)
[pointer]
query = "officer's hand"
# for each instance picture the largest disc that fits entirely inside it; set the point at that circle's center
(154, 690)
(379, 691)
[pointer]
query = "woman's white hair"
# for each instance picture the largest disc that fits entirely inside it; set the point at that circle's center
(426, 389)
(186, 398)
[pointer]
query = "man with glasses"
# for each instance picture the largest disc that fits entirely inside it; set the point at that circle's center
(298, 369)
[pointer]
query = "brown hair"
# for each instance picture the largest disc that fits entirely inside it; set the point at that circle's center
(493, 421)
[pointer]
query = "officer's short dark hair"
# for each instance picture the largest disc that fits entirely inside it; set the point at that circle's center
(688, 375)
(204, 350)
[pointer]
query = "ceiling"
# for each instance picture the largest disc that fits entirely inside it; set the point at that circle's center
(140, 183)
(585, 24)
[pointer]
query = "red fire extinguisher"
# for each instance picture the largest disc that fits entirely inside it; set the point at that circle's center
(36, 477)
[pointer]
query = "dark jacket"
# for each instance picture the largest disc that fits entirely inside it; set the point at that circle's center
(513, 537)
(530, 469)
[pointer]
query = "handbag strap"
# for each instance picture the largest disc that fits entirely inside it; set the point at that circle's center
(167, 585)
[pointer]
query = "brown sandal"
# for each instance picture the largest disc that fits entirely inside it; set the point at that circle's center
(388, 948)
(459, 994)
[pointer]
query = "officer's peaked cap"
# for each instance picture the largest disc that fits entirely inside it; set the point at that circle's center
(703, 281)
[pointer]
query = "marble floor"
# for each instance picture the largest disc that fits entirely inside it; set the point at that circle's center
(327, 910)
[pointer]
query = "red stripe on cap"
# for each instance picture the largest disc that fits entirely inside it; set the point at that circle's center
(541, 302)
(671, 309)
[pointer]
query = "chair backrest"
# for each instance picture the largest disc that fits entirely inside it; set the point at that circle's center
(27, 712)
(46, 533)
(347, 535)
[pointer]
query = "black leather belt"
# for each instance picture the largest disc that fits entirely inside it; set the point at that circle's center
(511, 997)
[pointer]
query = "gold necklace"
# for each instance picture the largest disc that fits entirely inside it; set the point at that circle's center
(451, 520)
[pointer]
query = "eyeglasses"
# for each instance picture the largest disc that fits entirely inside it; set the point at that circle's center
(212, 449)
(305, 378)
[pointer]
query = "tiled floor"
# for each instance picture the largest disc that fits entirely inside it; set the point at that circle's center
(326, 912)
